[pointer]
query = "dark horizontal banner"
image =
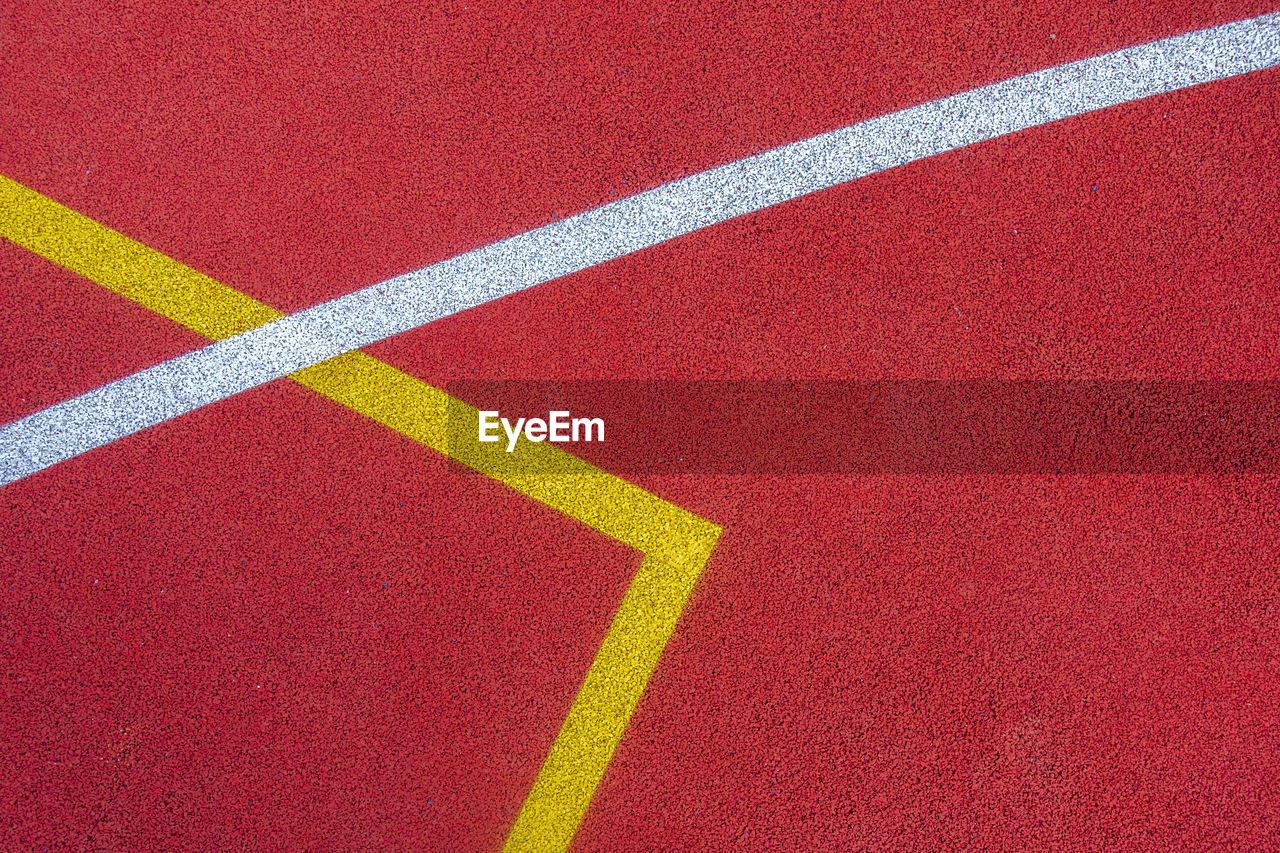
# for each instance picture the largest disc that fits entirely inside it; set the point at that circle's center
(882, 427)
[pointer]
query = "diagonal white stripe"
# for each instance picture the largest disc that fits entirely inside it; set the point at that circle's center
(269, 352)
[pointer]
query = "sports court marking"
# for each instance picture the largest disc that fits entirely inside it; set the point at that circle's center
(620, 228)
(259, 345)
(676, 544)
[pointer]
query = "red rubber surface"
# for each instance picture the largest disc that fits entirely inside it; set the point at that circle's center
(881, 663)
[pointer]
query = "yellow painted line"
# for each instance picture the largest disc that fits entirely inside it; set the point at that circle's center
(676, 543)
(599, 715)
(126, 266)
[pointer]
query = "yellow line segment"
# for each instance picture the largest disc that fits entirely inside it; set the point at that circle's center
(676, 544)
(126, 266)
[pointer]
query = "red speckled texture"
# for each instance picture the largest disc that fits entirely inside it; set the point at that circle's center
(230, 631)
(935, 662)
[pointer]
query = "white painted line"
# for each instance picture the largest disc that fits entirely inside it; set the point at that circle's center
(407, 301)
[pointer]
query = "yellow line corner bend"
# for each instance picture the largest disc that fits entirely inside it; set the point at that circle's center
(676, 544)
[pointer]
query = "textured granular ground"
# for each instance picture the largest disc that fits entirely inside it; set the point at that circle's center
(273, 623)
